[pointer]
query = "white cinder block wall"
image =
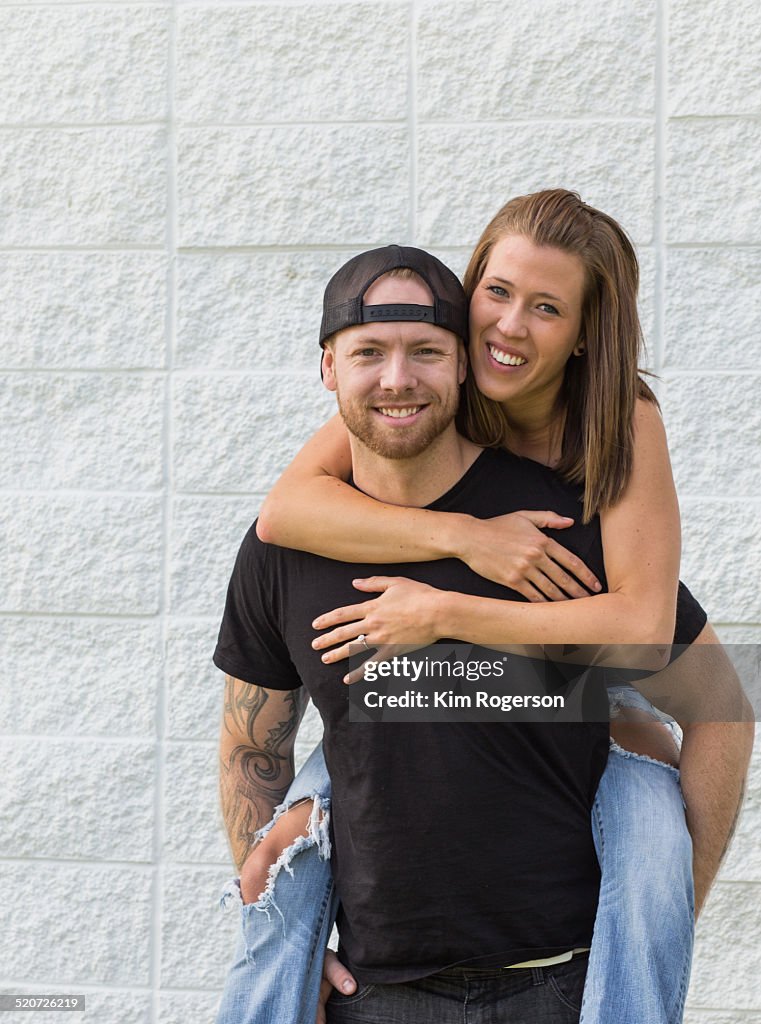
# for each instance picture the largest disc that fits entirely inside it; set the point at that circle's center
(177, 182)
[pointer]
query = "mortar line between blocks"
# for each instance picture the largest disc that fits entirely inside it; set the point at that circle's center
(311, 248)
(94, 988)
(168, 476)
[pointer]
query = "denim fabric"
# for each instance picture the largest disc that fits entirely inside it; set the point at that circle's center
(275, 977)
(639, 963)
(639, 966)
(542, 995)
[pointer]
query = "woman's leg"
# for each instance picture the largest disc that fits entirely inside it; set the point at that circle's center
(639, 964)
(275, 978)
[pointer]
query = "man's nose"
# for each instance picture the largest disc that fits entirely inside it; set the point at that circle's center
(512, 323)
(398, 373)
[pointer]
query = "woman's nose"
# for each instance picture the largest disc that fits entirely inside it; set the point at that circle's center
(512, 323)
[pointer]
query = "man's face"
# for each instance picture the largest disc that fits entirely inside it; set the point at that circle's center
(397, 384)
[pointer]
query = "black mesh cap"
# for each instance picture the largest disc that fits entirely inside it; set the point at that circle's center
(343, 307)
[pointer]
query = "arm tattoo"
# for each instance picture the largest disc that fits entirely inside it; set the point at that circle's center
(255, 776)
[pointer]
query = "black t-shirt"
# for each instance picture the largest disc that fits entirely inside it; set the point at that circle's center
(453, 842)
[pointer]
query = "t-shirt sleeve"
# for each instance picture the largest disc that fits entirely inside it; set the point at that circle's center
(250, 645)
(690, 616)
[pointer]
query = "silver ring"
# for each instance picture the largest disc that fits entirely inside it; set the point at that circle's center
(362, 639)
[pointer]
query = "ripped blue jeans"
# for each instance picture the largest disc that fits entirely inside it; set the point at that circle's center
(275, 977)
(641, 952)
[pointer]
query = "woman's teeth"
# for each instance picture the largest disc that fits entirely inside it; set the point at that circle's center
(401, 413)
(505, 358)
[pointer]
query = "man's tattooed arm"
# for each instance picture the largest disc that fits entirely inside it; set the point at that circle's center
(256, 757)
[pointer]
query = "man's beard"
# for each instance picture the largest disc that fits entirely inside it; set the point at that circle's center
(399, 442)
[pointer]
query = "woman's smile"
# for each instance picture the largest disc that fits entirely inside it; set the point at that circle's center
(505, 359)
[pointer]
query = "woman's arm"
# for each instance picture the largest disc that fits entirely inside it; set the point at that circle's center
(641, 543)
(311, 497)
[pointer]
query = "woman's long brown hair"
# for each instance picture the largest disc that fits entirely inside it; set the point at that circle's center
(600, 388)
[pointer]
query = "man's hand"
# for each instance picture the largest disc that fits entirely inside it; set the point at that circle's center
(334, 975)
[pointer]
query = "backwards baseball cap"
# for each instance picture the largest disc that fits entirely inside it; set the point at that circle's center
(343, 306)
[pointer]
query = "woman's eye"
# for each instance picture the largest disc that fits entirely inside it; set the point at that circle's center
(548, 308)
(496, 289)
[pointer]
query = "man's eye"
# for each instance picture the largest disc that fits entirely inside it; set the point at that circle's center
(367, 352)
(427, 351)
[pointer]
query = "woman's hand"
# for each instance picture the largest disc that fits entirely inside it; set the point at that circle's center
(513, 551)
(404, 616)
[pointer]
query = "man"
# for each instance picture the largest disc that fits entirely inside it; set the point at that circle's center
(454, 844)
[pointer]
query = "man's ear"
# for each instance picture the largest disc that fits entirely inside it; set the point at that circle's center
(462, 362)
(329, 368)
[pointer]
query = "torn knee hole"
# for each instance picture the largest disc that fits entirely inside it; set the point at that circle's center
(651, 740)
(293, 829)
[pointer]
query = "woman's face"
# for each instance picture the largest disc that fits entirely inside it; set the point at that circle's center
(525, 320)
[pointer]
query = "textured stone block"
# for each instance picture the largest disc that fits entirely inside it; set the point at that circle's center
(719, 555)
(714, 54)
(77, 799)
(293, 186)
(79, 678)
(696, 329)
(455, 259)
(84, 64)
(195, 683)
(499, 66)
(83, 186)
(60, 923)
(188, 1007)
(82, 310)
(714, 426)
(197, 938)
(193, 829)
(69, 553)
(206, 535)
(466, 173)
(280, 63)
(724, 970)
(711, 168)
(238, 433)
(252, 311)
(88, 431)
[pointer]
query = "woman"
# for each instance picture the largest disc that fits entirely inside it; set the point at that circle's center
(554, 339)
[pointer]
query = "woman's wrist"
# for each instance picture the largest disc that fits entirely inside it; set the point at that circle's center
(451, 534)
(444, 616)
